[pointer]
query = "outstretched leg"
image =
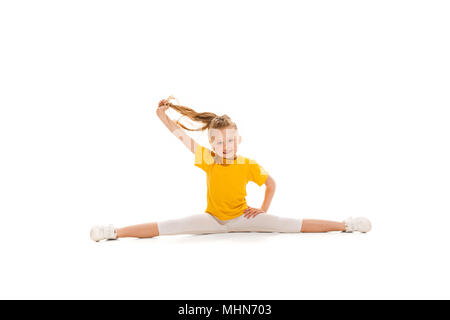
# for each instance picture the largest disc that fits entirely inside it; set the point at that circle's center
(272, 223)
(195, 224)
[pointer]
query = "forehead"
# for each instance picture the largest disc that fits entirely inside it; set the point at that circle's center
(219, 134)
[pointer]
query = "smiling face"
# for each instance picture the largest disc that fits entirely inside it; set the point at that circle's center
(225, 142)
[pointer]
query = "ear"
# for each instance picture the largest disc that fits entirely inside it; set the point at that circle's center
(240, 139)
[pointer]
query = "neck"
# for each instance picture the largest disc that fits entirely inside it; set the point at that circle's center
(221, 160)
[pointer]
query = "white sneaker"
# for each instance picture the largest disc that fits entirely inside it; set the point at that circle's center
(357, 224)
(103, 232)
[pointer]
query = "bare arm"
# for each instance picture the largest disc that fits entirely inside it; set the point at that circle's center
(174, 128)
(270, 190)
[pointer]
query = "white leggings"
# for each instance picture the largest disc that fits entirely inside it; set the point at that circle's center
(206, 223)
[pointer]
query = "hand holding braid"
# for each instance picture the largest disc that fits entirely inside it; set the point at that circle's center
(164, 104)
(209, 120)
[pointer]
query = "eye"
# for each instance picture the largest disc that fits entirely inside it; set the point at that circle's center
(220, 142)
(230, 140)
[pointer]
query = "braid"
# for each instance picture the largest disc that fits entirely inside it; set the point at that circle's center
(204, 117)
(209, 119)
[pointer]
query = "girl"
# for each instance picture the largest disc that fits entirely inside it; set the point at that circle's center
(227, 176)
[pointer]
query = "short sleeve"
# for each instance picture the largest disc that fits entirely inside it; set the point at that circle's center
(203, 157)
(257, 173)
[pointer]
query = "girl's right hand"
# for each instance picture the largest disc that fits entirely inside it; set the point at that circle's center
(162, 107)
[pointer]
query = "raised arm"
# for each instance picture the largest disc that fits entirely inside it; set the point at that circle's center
(172, 126)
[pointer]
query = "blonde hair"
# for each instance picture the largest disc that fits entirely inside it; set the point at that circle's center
(210, 120)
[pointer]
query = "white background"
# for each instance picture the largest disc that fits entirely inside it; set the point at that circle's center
(345, 103)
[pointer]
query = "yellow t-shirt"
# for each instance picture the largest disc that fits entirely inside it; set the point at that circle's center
(227, 182)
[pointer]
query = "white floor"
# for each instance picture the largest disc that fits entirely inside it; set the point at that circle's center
(380, 264)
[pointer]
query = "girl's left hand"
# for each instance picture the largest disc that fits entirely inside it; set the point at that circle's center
(252, 212)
